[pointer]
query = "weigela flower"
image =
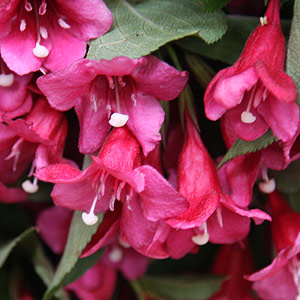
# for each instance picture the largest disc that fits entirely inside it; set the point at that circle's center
(255, 91)
(284, 271)
(114, 93)
(39, 138)
(116, 175)
(50, 34)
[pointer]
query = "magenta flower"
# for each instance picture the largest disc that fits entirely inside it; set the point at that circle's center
(255, 91)
(51, 34)
(114, 93)
(284, 271)
(115, 175)
(39, 137)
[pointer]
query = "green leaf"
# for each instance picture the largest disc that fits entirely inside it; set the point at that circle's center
(141, 27)
(79, 236)
(213, 5)
(181, 288)
(293, 54)
(241, 147)
(7, 247)
(230, 47)
(44, 269)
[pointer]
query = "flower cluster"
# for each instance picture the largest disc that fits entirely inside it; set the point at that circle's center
(156, 199)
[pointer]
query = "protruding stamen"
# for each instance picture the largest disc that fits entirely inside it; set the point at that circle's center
(116, 255)
(219, 216)
(247, 117)
(119, 190)
(267, 187)
(6, 80)
(111, 82)
(43, 8)
(123, 243)
(121, 82)
(63, 24)
(201, 239)
(108, 108)
(133, 98)
(44, 32)
(263, 20)
(30, 187)
(28, 5)
(43, 71)
(15, 153)
(118, 120)
(22, 25)
(40, 51)
(112, 203)
(90, 218)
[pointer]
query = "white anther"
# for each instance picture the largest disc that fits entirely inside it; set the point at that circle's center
(40, 51)
(123, 243)
(30, 187)
(267, 186)
(118, 120)
(6, 80)
(43, 32)
(63, 24)
(203, 238)
(90, 218)
(116, 255)
(133, 98)
(219, 217)
(22, 25)
(247, 117)
(28, 6)
(263, 20)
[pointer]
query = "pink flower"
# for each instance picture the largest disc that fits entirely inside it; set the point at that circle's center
(284, 270)
(116, 175)
(50, 34)
(39, 137)
(114, 93)
(255, 91)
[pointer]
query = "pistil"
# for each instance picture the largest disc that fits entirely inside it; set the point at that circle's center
(90, 218)
(247, 117)
(267, 186)
(203, 237)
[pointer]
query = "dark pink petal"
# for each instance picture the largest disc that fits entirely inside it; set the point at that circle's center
(135, 228)
(159, 200)
(282, 117)
(279, 262)
(145, 119)
(54, 226)
(228, 227)
(64, 88)
(277, 287)
(88, 19)
(11, 195)
(94, 126)
(278, 83)
(155, 77)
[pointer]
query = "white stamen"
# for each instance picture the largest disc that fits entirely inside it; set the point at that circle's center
(43, 71)
(201, 239)
(112, 203)
(108, 108)
(119, 190)
(263, 20)
(22, 25)
(247, 117)
(267, 186)
(63, 24)
(90, 218)
(43, 8)
(30, 187)
(43, 32)
(219, 216)
(116, 255)
(133, 98)
(28, 6)
(6, 80)
(118, 120)
(123, 243)
(40, 51)
(127, 198)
